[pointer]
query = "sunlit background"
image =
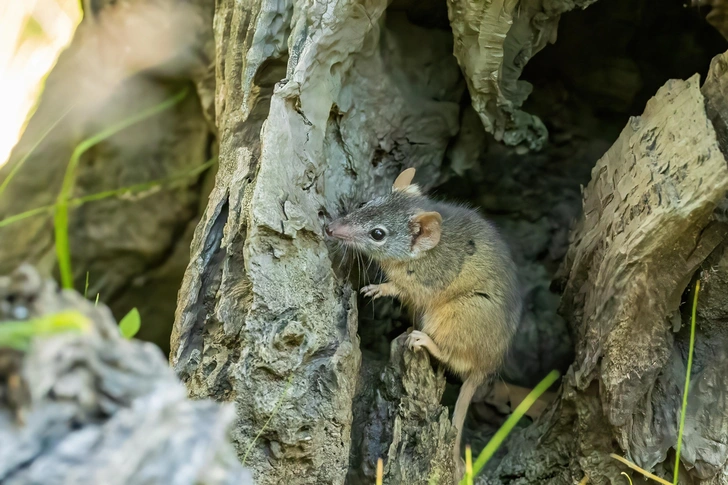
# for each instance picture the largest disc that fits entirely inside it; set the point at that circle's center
(32, 35)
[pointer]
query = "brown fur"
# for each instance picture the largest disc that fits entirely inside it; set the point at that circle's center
(453, 269)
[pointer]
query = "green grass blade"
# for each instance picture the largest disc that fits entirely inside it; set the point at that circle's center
(16, 168)
(63, 252)
(130, 324)
(85, 288)
(468, 465)
(687, 384)
(511, 422)
(130, 189)
(25, 215)
(18, 335)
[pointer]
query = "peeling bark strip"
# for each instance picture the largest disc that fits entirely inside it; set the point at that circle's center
(493, 42)
(647, 226)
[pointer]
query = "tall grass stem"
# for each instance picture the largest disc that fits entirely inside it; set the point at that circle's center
(683, 410)
(500, 435)
(63, 250)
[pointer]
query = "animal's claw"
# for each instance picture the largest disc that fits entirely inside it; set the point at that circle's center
(417, 340)
(372, 291)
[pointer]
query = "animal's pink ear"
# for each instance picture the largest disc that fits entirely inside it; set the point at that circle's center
(404, 180)
(427, 228)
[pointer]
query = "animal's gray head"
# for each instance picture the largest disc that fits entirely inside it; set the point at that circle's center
(392, 227)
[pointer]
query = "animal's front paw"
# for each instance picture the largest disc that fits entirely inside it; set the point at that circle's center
(373, 291)
(417, 340)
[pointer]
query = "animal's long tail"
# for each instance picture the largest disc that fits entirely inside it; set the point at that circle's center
(467, 391)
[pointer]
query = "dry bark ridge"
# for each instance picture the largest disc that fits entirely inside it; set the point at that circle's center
(648, 224)
(102, 409)
(405, 424)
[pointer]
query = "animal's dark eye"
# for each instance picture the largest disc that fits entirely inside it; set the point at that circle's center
(361, 205)
(377, 234)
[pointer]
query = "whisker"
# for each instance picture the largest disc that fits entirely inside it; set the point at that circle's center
(359, 267)
(341, 254)
(350, 263)
(368, 280)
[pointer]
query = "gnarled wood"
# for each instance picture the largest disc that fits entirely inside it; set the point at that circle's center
(647, 226)
(98, 408)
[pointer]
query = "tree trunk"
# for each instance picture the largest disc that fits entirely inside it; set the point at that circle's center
(649, 223)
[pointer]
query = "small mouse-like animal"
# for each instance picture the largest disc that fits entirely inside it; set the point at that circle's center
(449, 265)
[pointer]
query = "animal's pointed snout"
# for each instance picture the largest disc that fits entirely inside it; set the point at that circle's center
(337, 230)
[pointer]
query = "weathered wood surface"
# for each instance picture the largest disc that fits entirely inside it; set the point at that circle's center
(649, 223)
(493, 43)
(404, 423)
(97, 408)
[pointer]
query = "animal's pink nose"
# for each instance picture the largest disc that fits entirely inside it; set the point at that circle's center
(337, 230)
(332, 227)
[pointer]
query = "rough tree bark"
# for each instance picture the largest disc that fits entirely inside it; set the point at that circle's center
(91, 407)
(649, 223)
